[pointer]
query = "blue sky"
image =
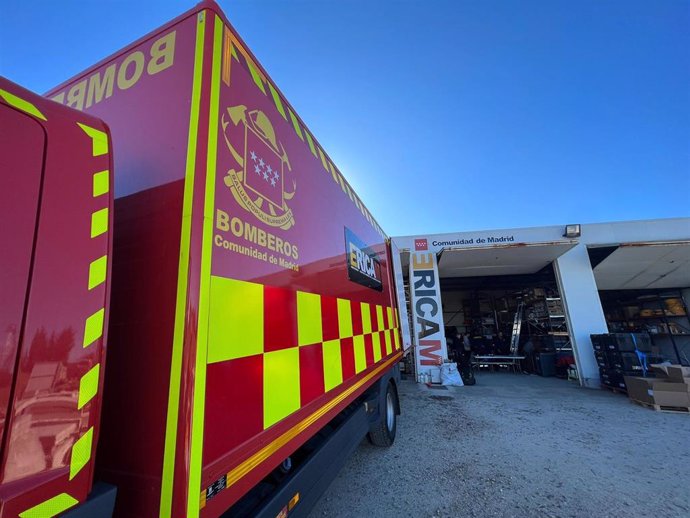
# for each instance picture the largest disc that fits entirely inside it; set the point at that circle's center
(444, 115)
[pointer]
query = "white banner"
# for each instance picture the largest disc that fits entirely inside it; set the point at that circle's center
(427, 314)
(400, 292)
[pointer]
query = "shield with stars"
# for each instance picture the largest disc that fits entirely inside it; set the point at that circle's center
(259, 185)
(263, 169)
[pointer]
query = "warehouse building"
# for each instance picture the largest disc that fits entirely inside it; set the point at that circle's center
(529, 299)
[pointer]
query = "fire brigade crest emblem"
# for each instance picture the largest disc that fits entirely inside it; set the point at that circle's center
(259, 180)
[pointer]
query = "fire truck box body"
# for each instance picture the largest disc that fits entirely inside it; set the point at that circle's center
(252, 296)
(56, 206)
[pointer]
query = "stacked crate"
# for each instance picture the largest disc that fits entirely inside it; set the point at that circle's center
(617, 357)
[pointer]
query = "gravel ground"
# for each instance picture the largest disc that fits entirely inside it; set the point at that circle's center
(517, 445)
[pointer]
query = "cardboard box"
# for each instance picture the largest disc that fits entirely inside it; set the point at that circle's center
(671, 394)
(659, 369)
(655, 391)
(678, 373)
(640, 389)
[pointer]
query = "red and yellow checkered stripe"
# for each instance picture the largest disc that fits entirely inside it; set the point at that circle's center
(276, 350)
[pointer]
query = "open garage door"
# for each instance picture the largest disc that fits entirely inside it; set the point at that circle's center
(512, 259)
(645, 288)
(491, 260)
(634, 266)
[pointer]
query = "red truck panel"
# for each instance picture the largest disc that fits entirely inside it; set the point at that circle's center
(236, 332)
(53, 409)
(21, 152)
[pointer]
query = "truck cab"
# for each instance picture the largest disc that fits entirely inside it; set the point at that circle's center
(55, 248)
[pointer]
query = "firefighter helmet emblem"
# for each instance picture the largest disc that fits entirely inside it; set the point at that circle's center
(259, 182)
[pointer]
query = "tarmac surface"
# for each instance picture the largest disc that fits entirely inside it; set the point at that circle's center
(519, 446)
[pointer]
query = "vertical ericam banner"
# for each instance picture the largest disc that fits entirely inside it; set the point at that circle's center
(402, 301)
(429, 335)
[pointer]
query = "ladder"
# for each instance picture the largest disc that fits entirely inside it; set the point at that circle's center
(517, 325)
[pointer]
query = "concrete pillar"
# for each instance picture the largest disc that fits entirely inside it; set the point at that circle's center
(583, 310)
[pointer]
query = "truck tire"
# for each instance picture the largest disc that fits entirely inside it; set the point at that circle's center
(383, 433)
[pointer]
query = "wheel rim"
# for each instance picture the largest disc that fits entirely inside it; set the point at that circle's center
(390, 411)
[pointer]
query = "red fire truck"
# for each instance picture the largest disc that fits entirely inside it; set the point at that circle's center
(198, 311)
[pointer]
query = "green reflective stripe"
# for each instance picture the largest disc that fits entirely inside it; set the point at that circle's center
(99, 140)
(51, 507)
(276, 100)
(168, 474)
(99, 222)
(349, 193)
(21, 104)
(101, 183)
(255, 74)
(295, 124)
(310, 142)
(323, 159)
(199, 401)
(81, 453)
(93, 329)
(97, 271)
(333, 173)
(88, 385)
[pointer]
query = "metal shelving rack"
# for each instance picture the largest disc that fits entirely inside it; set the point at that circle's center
(680, 342)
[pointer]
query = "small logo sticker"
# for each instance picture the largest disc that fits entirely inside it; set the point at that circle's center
(363, 266)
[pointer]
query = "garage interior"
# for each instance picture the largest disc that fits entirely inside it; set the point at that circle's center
(505, 301)
(644, 289)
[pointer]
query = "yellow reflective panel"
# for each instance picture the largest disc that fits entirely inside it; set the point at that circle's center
(97, 271)
(88, 385)
(236, 319)
(377, 347)
(99, 222)
(323, 159)
(281, 384)
(101, 183)
(333, 173)
(366, 318)
(51, 507)
(93, 328)
(196, 440)
(276, 100)
(309, 326)
(21, 104)
(310, 142)
(256, 75)
(168, 467)
(379, 317)
(360, 354)
(81, 453)
(376, 338)
(99, 139)
(332, 364)
(295, 124)
(344, 318)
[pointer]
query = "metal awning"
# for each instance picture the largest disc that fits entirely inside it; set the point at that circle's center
(645, 265)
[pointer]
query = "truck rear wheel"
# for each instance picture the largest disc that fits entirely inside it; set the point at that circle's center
(383, 433)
